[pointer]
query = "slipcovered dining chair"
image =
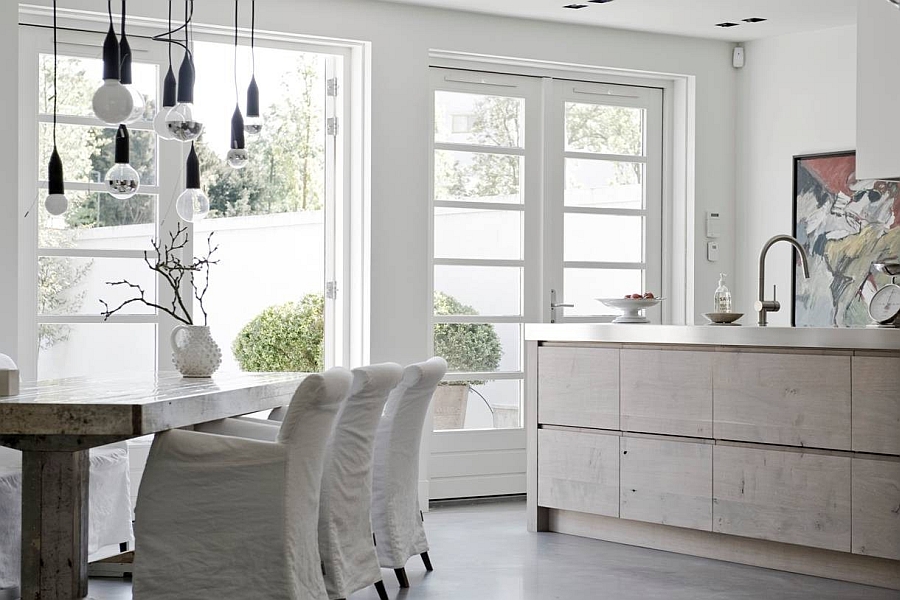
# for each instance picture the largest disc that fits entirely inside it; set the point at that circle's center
(346, 545)
(226, 512)
(396, 517)
(109, 512)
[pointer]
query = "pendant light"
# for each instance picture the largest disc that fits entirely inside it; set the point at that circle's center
(56, 202)
(182, 121)
(169, 92)
(112, 103)
(896, 3)
(253, 124)
(122, 181)
(192, 205)
(137, 110)
(238, 156)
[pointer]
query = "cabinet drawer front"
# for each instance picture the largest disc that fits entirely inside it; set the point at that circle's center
(578, 387)
(876, 404)
(667, 482)
(667, 391)
(578, 471)
(876, 508)
(786, 399)
(790, 497)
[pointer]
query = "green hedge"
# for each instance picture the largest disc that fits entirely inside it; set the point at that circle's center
(285, 337)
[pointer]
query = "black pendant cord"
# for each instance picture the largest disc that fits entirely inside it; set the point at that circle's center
(166, 36)
(55, 88)
(236, 93)
(253, 38)
(170, 34)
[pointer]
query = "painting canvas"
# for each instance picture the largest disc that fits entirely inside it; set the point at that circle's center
(845, 225)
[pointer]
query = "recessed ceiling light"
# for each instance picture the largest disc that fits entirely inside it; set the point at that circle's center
(575, 6)
(727, 24)
(754, 20)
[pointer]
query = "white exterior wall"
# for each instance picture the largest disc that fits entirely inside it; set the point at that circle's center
(797, 95)
(9, 174)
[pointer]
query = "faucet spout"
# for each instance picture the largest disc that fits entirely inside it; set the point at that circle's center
(764, 306)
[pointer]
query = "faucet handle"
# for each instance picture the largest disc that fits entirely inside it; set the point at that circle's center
(774, 293)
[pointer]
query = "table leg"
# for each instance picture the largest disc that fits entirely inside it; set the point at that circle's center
(55, 489)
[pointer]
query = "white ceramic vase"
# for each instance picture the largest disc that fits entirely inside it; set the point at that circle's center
(194, 351)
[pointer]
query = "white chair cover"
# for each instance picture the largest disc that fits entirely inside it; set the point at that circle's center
(345, 524)
(221, 516)
(396, 520)
(109, 509)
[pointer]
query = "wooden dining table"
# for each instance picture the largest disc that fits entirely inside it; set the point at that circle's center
(55, 424)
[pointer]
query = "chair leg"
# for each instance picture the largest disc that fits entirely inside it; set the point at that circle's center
(382, 593)
(402, 578)
(427, 562)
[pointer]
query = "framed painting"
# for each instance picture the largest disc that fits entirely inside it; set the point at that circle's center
(845, 225)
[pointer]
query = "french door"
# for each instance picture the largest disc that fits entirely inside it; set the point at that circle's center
(540, 187)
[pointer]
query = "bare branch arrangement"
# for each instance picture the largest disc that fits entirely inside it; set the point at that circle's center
(168, 264)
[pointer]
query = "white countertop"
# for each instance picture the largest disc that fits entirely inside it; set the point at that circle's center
(706, 335)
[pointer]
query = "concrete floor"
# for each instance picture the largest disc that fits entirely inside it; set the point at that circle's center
(483, 552)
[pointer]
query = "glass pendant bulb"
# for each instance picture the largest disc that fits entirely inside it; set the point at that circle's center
(56, 202)
(192, 205)
(122, 180)
(237, 156)
(182, 121)
(112, 102)
(169, 101)
(253, 123)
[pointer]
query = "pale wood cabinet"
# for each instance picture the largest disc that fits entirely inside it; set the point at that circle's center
(793, 497)
(876, 508)
(667, 391)
(578, 471)
(876, 404)
(578, 387)
(787, 399)
(667, 482)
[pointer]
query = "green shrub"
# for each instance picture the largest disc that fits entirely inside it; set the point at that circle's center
(467, 347)
(285, 337)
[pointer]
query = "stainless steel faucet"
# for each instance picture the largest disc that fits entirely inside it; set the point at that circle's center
(763, 306)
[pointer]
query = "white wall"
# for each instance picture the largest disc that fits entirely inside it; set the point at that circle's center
(401, 37)
(9, 174)
(796, 95)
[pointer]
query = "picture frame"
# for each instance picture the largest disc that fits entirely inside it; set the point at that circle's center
(845, 225)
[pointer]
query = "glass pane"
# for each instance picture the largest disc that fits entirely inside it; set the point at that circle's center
(274, 306)
(604, 184)
(471, 233)
(478, 405)
(87, 153)
(98, 221)
(479, 119)
(479, 347)
(286, 171)
(96, 349)
(606, 238)
(478, 290)
(75, 286)
(77, 80)
(584, 286)
(604, 129)
(477, 177)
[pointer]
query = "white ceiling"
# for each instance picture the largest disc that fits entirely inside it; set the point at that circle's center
(696, 18)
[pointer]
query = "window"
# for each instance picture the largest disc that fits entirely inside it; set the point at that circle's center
(278, 223)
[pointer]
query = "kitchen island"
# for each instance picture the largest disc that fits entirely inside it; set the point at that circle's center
(775, 447)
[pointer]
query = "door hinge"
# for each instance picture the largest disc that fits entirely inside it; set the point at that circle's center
(332, 87)
(331, 126)
(331, 290)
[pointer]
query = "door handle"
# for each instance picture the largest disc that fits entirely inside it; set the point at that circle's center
(554, 305)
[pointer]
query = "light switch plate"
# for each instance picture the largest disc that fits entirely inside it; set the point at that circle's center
(712, 251)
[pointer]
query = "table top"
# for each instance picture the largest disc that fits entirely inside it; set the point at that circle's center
(126, 406)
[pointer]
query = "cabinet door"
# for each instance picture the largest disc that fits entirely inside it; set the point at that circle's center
(876, 404)
(792, 497)
(667, 391)
(786, 399)
(667, 482)
(578, 387)
(876, 508)
(578, 471)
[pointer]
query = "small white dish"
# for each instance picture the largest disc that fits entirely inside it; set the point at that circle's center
(719, 318)
(631, 308)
